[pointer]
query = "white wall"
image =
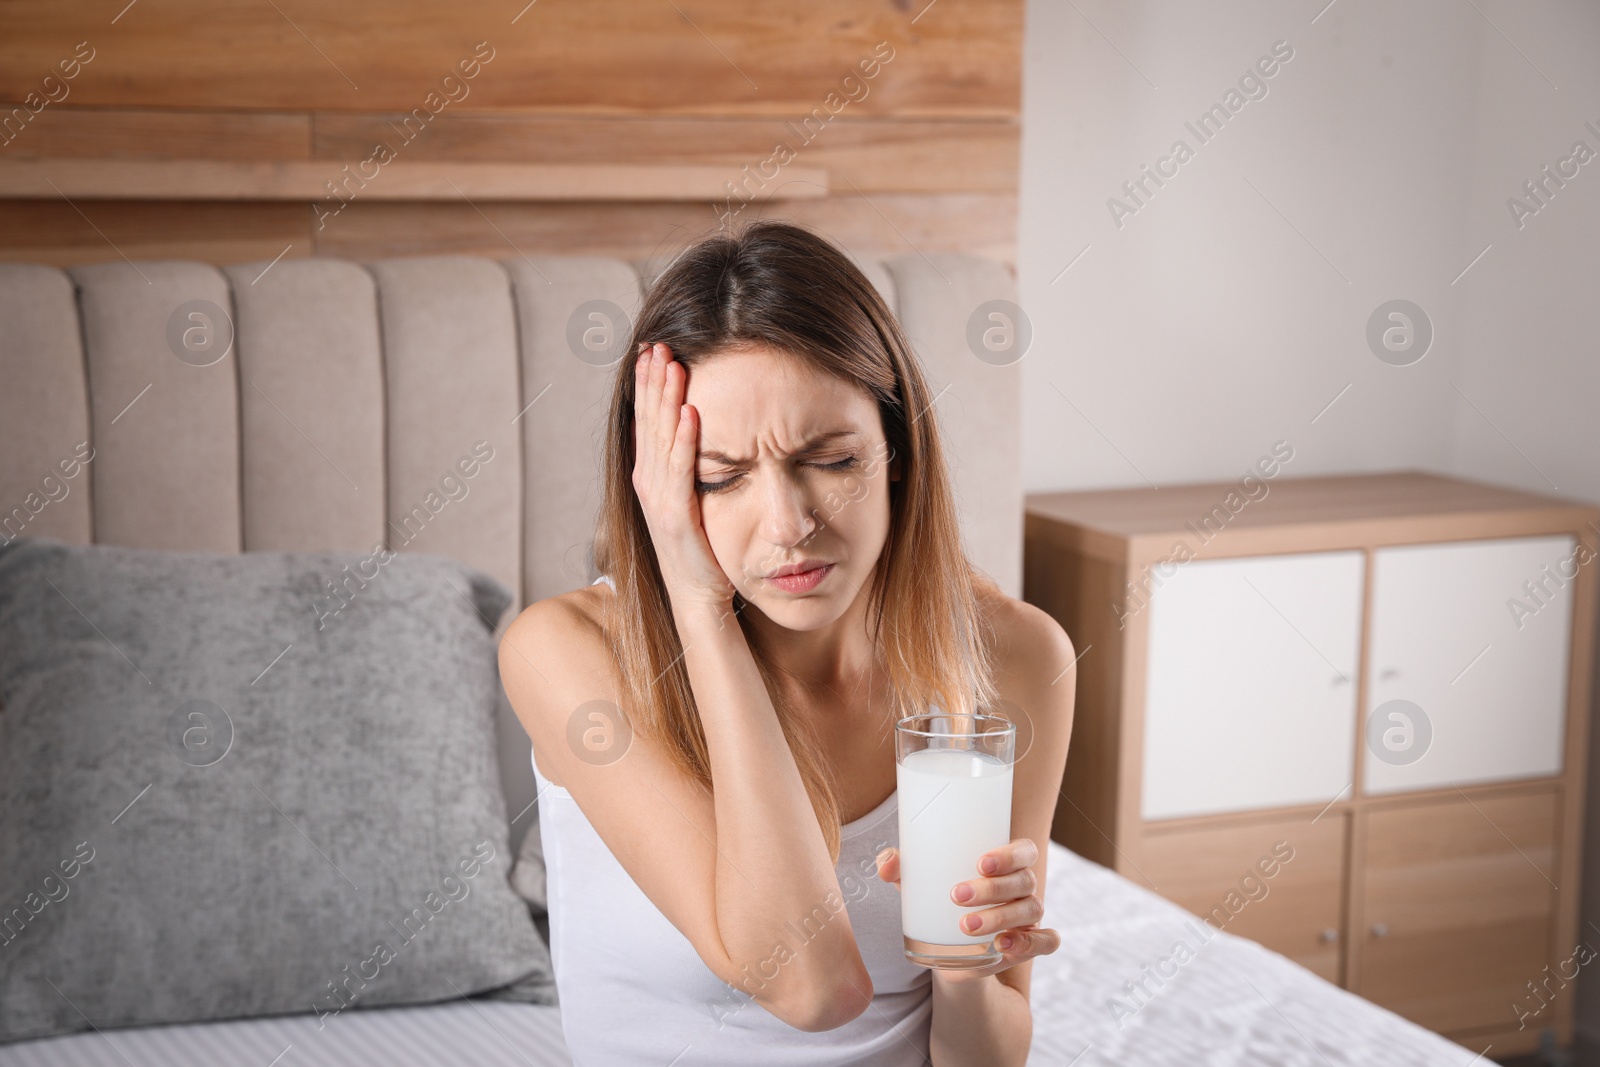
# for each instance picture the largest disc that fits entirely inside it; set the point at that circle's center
(1527, 325)
(1207, 327)
(1212, 323)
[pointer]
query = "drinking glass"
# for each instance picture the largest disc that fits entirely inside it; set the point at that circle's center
(953, 773)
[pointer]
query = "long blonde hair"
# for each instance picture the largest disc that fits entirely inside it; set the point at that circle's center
(780, 286)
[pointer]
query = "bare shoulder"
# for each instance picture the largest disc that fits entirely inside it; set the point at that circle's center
(1035, 671)
(1029, 644)
(583, 607)
(568, 624)
(557, 647)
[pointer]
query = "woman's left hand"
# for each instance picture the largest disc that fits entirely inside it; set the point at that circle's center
(1013, 888)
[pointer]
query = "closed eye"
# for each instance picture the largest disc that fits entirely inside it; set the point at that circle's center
(714, 487)
(847, 463)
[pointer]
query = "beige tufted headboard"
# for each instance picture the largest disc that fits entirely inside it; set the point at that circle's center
(351, 391)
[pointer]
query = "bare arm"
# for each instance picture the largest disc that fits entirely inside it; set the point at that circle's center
(774, 883)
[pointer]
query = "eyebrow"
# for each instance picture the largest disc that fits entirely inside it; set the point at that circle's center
(810, 446)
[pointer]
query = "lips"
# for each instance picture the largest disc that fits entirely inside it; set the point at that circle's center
(801, 581)
(798, 568)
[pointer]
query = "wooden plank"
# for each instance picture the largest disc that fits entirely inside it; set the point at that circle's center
(41, 231)
(873, 155)
(599, 57)
(1312, 514)
(1076, 590)
(880, 225)
(378, 178)
(137, 133)
(1356, 797)
(37, 231)
(221, 232)
(1569, 924)
(1290, 501)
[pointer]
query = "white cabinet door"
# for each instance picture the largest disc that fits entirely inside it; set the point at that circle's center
(1250, 699)
(1476, 634)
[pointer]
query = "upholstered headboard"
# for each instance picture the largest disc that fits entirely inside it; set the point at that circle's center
(320, 403)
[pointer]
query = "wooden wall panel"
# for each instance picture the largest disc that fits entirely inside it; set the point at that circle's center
(721, 57)
(885, 224)
(921, 156)
(903, 155)
(56, 233)
(142, 133)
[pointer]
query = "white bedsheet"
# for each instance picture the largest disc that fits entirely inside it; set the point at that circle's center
(1233, 1004)
(474, 1033)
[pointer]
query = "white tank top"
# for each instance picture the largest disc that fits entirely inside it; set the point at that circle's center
(632, 989)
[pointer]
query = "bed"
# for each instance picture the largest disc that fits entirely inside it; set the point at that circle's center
(1235, 1003)
(324, 375)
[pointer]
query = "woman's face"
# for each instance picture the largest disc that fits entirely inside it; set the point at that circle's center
(793, 469)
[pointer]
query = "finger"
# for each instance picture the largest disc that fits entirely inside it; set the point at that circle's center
(676, 389)
(992, 920)
(1011, 857)
(661, 426)
(995, 890)
(682, 458)
(645, 403)
(889, 865)
(668, 399)
(1023, 943)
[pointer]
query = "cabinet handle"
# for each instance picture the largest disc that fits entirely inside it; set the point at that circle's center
(1380, 930)
(1330, 934)
(1388, 673)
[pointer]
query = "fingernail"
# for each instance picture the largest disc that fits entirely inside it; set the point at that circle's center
(1002, 943)
(971, 923)
(962, 893)
(990, 865)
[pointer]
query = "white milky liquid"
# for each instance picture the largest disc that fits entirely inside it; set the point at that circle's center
(955, 805)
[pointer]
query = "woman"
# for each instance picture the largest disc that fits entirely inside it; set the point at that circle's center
(712, 721)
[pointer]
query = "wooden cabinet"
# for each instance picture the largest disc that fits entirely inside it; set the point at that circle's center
(1345, 717)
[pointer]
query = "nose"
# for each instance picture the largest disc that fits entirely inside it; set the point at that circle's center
(787, 517)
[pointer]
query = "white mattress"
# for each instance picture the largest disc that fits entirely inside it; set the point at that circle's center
(1233, 1003)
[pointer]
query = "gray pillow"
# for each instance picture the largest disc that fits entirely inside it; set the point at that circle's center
(227, 791)
(528, 877)
(528, 874)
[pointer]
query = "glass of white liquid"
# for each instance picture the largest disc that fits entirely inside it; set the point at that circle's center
(953, 773)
